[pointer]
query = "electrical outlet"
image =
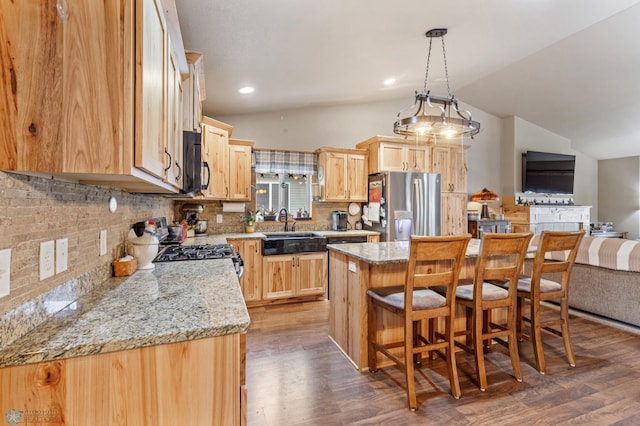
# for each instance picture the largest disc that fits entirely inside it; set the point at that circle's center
(103, 242)
(62, 254)
(219, 218)
(5, 271)
(47, 259)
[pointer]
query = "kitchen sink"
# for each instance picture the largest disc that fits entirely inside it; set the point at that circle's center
(292, 242)
(287, 235)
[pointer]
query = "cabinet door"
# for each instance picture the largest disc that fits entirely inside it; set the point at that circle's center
(62, 99)
(216, 154)
(335, 176)
(393, 158)
(458, 170)
(441, 163)
(173, 155)
(151, 83)
(251, 280)
(239, 172)
(277, 274)
(311, 274)
(418, 159)
(339, 304)
(357, 177)
(453, 214)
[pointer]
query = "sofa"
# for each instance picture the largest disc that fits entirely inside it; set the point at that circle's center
(605, 279)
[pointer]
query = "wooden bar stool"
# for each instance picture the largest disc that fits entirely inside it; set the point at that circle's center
(556, 254)
(500, 261)
(433, 261)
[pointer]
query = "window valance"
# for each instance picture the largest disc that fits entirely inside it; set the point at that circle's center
(294, 162)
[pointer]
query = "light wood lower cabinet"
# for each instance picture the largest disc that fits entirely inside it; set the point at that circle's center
(251, 281)
(197, 382)
(287, 276)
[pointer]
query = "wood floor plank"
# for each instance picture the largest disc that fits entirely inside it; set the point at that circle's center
(297, 376)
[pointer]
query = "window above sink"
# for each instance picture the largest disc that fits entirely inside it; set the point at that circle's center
(283, 180)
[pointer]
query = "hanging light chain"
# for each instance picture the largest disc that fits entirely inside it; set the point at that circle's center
(426, 71)
(446, 69)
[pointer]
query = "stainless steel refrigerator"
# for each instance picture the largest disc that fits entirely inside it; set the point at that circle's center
(402, 204)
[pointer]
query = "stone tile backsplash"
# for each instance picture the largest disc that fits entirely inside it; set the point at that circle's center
(37, 209)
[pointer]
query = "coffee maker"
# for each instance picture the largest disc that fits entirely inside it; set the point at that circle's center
(190, 213)
(339, 220)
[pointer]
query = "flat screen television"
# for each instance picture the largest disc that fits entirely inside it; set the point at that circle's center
(549, 173)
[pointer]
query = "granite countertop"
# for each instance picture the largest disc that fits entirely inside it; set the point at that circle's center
(389, 252)
(213, 239)
(174, 302)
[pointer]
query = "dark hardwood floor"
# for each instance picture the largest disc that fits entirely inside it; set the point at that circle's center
(296, 376)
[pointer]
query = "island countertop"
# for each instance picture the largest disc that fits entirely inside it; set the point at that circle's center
(388, 252)
(174, 302)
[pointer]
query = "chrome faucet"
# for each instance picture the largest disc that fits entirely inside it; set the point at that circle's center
(286, 218)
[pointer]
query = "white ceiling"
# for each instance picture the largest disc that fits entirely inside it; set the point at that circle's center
(570, 66)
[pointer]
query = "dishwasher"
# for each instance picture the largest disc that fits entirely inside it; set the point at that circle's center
(341, 239)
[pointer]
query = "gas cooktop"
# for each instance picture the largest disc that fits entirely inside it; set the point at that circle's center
(196, 252)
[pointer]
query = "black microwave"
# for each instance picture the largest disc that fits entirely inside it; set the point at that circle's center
(195, 169)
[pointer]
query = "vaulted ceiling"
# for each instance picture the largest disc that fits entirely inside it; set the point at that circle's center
(570, 66)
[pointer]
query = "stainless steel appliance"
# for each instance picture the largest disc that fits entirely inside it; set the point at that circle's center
(193, 164)
(402, 204)
(190, 214)
(202, 252)
(288, 243)
(339, 221)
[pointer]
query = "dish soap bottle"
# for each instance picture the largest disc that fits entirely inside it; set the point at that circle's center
(145, 248)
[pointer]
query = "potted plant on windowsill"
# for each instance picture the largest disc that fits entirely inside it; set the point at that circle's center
(249, 220)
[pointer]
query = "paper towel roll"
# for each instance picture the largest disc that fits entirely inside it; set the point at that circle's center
(233, 207)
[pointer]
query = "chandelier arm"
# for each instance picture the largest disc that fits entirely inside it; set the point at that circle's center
(462, 112)
(415, 102)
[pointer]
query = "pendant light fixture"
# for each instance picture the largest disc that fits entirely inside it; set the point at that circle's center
(433, 117)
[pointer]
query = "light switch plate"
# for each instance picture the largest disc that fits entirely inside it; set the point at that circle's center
(5, 272)
(352, 266)
(218, 218)
(103, 242)
(47, 259)
(62, 254)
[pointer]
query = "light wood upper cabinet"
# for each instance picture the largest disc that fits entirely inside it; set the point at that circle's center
(194, 93)
(228, 162)
(240, 170)
(343, 174)
(173, 159)
(451, 164)
(85, 97)
(62, 97)
(402, 158)
(215, 154)
(286, 276)
(151, 86)
(390, 154)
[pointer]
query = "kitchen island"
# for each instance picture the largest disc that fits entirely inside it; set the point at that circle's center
(162, 346)
(355, 268)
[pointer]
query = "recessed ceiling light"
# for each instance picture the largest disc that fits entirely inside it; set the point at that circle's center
(389, 81)
(246, 90)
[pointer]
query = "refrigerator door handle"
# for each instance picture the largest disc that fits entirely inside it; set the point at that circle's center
(418, 207)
